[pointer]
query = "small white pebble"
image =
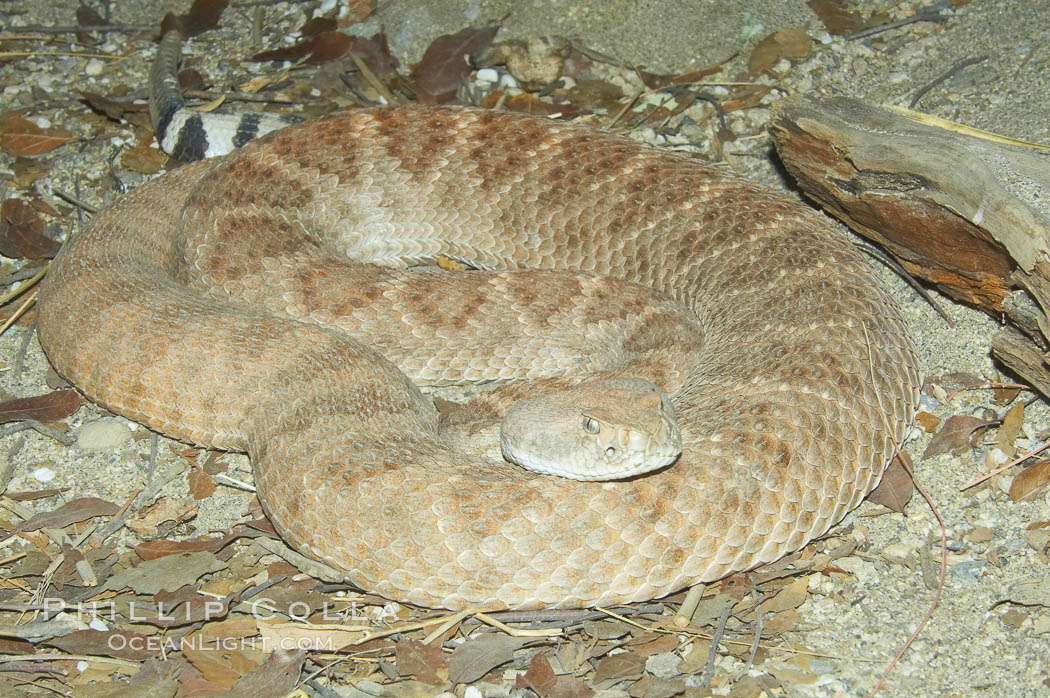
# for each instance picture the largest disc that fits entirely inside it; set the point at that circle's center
(508, 81)
(82, 666)
(42, 121)
(487, 75)
(472, 692)
(98, 624)
(43, 474)
(94, 67)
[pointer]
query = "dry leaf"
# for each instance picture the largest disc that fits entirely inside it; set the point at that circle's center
(616, 667)
(278, 675)
(480, 655)
(1004, 396)
(171, 572)
(202, 485)
(49, 407)
(150, 522)
(143, 159)
(895, 490)
(956, 434)
(539, 677)
(980, 534)
(445, 64)
(22, 232)
(1010, 429)
(840, 21)
(789, 597)
(1028, 483)
(21, 137)
(121, 644)
(793, 44)
(322, 48)
(928, 422)
(71, 512)
(422, 661)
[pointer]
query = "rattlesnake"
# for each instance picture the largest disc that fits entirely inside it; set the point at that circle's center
(210, 305)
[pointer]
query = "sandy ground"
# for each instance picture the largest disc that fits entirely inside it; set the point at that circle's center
(858, 622)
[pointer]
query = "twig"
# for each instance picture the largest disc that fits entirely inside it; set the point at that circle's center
(944, 76)
(712, 652)
(932, 13)
(986, 476)
(887, 259)
(64, 439)
(940, 581)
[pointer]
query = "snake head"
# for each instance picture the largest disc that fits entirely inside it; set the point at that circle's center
(605, 429)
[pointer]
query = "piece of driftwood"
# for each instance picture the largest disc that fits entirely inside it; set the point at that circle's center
(966, 210)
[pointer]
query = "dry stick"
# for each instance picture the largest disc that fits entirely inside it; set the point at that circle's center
(940, 582)
(978, 480)
(990, 384)
(936, 513)
(712, 652)
(944, 76)
(758, 635)
(924, 14)
(373, 80)
(887, 259)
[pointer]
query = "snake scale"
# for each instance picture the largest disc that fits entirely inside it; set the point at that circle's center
(245, 303)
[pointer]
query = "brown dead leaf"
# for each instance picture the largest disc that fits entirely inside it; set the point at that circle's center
(1010, 429)
(202, 485)
(22, 232)
(422, 661)
(21, 137)
(202, 16)
(318, 25)
(446, 63)
(895, 490)
(324, 47)
(1028, 483)
(841, 21)
(655, 81)
(143, 159)
(151, 550)
(792, 43)
(360, 10)
(1004, 396)
(980, 534)
(928, 422)
(539, 677)
(170, 572)
(747, 97)
(120, 644)
(480, 655)
(114, 109)
(162, 516)
(278, 675)
(49, 407)
(71, 512)
(648, 644)
(789, 597)
(957, 434)
(617, 667)
(781, 622)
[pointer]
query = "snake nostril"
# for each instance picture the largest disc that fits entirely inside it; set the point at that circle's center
(610, 451)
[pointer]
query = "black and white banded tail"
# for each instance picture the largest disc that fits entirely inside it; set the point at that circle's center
(186, 134)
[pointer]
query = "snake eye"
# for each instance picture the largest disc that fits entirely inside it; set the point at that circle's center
(590, 425)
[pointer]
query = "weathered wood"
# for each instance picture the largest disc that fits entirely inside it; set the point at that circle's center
(967, 211)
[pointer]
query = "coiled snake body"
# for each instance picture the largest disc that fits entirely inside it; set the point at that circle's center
(210, 305)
